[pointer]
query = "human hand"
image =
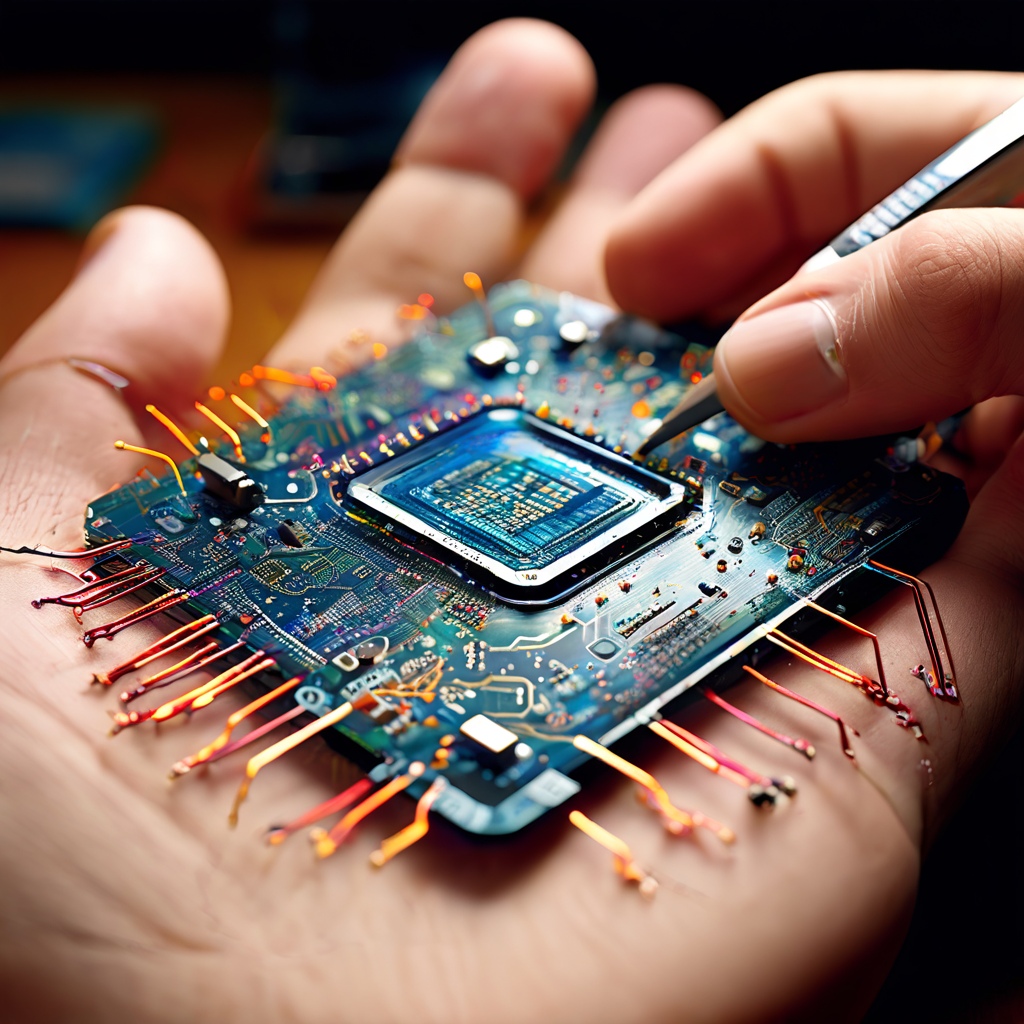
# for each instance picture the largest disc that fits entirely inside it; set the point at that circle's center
(126, 898)
(916, 326)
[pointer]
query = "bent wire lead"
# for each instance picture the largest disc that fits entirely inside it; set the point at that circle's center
(251, 666)
(194, 662)
(165, 645)
(326, 842)
(277, 834)
(207, 752)
(623, 860)
(761, 789)
(676, 821)
(413, 833)
(942, 682)
(159, 604)
(272, 753)
(807, 702)
(96, 588)
(800, 745)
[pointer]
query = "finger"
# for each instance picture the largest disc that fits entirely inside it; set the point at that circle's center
(784, 176)
(985, 436)
(990, 430)
(912, 328)
(150, 304)
(990, 539)
(489, 134)
(637, 139)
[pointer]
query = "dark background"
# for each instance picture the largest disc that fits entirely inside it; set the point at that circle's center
(733, 52)
(962, 959)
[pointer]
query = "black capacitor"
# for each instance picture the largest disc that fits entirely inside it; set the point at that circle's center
(229, 483)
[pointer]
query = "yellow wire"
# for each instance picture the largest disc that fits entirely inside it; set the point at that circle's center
(233, 434)
(156, 455)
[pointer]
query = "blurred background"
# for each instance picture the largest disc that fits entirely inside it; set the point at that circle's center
(266, 123)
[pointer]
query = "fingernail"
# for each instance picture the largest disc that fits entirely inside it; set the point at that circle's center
(784, 363)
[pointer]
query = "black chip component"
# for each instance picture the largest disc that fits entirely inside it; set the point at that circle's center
(490, 356)
(294, 534)
(229, 483)
(878, 527)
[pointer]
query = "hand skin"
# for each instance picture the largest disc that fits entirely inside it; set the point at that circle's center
(126, 898)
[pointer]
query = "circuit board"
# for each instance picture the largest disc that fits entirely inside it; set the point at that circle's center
(455, 547)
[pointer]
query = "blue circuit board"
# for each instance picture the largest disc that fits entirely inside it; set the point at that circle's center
(456, 540)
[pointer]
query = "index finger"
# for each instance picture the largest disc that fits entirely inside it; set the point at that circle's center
(782, 177)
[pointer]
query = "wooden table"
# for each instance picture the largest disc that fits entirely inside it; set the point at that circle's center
(211, 129)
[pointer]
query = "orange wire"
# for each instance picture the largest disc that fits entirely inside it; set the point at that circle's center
(836, 617)
(172, 427)
(250, 411)
(155, 455)
(327, 842)
(264, 757)
(676, 821)
(411, 833)
(625, 865)
(232, 433)
(211, 748)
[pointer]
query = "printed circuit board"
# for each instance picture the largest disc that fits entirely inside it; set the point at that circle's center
(456, 542)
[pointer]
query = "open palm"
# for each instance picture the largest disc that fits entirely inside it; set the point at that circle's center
(125, 897)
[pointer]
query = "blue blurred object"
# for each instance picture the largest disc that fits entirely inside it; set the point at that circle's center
(66, 168)
(332, 142)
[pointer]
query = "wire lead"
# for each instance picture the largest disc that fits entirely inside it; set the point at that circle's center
(279, 833)
(236, 441)
(676, 821)
(801, 745)
(413, 833)
(172, 427)
(844, 741)
(183, 635)
(327, 842)
(945, 682)
(221, 741)
(624, 862)
(125, 446)
(110, 629)
(272, 753)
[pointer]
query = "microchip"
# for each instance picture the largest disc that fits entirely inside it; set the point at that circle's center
(518, 498)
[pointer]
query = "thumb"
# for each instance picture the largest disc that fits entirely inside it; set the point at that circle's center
(148, 305)
(912, 328)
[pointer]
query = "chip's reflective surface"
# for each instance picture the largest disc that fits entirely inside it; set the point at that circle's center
(512, 494)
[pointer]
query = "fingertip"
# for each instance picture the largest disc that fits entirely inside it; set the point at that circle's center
(507, 105)
(642, 133)
(149, 301)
